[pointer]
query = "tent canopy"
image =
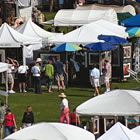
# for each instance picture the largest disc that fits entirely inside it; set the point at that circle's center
(3, 67)
(132, 21)
(119, 132)
(11, 38)
(82, 17)
(113, 103)
(118, 9)
(136, 129)
(31, 29)
(52, 131)
(89, 33)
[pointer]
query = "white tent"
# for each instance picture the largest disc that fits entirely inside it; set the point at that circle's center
(136, 130)
(113, 103)
(119, 132)
(69, 17)
(4, 68)
(118, 9)
(89, 33)
(31, 29)
(10, 38)
(52, 131)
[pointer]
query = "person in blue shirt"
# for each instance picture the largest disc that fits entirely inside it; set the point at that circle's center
(59, 73)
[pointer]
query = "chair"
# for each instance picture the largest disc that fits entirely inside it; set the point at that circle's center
(133, 74)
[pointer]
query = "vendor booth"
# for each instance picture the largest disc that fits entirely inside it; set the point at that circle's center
(83, 36)
(9, 39)
(112, 107)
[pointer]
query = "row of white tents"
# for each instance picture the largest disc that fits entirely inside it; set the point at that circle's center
(32, 37)
(59, 131)
(29, 36)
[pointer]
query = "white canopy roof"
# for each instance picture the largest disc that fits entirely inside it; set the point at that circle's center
(11, 38)
(52, 131)
(89, 33)
(3, 67)
(31, 29)
(118, 9)
(113, 103)
(69, 17)
(136, 130)
(119, 132)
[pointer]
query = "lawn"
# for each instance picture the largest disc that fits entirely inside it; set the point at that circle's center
(46, 106)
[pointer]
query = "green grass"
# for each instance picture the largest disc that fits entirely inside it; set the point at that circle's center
(46, 107)
(50, 16)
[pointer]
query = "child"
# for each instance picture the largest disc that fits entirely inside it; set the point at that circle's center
(28, 118)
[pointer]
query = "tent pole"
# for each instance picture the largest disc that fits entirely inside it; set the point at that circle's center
(7, 100)
(23, 52)
(6, 84)
(67, 75)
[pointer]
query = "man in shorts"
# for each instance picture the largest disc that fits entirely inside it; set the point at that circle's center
(59, 73)
(95, 79)
(11, 63)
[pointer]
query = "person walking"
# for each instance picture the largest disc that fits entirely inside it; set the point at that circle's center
(49, 72)
(95, 79)
(9, 122)
(37, 76)
(59, 73)
(107, 74)
(2, 114)
(64, 108)
(22, 75)
(28, 117)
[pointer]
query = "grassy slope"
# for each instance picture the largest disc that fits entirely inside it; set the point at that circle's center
(46, 107)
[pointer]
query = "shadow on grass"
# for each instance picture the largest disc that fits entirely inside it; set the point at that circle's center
(82, 90)
(78, 95)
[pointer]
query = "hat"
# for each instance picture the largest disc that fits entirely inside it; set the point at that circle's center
(38, 60)
(62, 95)
(107, 59)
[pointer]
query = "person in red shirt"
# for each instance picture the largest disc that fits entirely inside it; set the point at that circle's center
(9, 122)
(73, 118)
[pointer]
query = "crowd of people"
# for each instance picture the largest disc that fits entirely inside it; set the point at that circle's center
(53, 69)
(50, 70)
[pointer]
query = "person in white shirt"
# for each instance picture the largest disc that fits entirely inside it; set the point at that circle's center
(36, 75)
(11, 64)
(95, 79)
(22, 74)
(64, 108)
